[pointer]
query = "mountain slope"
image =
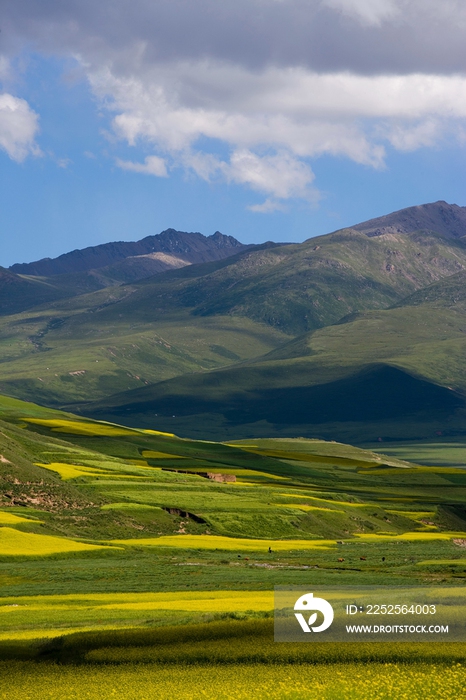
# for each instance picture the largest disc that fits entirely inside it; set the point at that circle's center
(216, 314)
(449, 220)
(206, 316)
(189, 247)
(27, 285)
(298, 287)
(20, 292)
(392, 373)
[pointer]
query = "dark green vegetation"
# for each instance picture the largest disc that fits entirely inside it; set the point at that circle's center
(355, 336)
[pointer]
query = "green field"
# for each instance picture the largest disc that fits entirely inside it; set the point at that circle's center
(122, 561)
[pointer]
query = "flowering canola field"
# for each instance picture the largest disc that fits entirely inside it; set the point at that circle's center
(18, 543)
(29, 681)
(226, 543)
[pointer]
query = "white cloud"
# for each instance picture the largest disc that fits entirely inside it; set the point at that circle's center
(410, 137)
(153, 165)
(297, 110)
(280, 175)
(273, 120)
(267, 207)
(206, 165)
(370, 12)
(18, 128)
(274, 83)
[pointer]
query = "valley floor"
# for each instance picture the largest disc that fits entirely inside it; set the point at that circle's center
(145, 564)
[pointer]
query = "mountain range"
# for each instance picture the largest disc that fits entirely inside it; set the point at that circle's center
(356, 335)
(25, 285)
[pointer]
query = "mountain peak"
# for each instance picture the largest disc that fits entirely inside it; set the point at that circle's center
(449, 220)
(191, 247)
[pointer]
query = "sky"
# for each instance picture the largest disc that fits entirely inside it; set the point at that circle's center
(264, 119)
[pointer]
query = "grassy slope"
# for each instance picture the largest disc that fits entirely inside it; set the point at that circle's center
(21, 292)
(136, 485)
(211, 315)
(55, 358)
(301, 287)
(395, 373)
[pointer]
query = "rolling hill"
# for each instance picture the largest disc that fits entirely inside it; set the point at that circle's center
(394, 373)
(361, 326)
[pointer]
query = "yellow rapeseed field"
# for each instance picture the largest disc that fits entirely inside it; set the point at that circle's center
(411, 536)
(226, 543)
(61, 425)
(72, 471)
(392, 681)
(12, 519)
(413, 514)
(307, 508)
(442, 562)
(129, 506)
(325, 500)
(52, 615)
(16, 543)
(211, 601)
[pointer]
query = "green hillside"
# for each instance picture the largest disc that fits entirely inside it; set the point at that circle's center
(103, 485)
(297, 288)
(21, 292)
(204, 317)
(62, 355)
(395, 373)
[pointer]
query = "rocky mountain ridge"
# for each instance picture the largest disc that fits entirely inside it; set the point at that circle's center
(449, 220)
(190, 248)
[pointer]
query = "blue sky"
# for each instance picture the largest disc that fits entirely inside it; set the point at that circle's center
(110, 131)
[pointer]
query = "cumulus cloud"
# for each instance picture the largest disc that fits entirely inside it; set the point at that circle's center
(307, 113)
(280, 174)
(272, 83)
(153, 165)
(18, 128)
(411, 137)
(290, 114)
